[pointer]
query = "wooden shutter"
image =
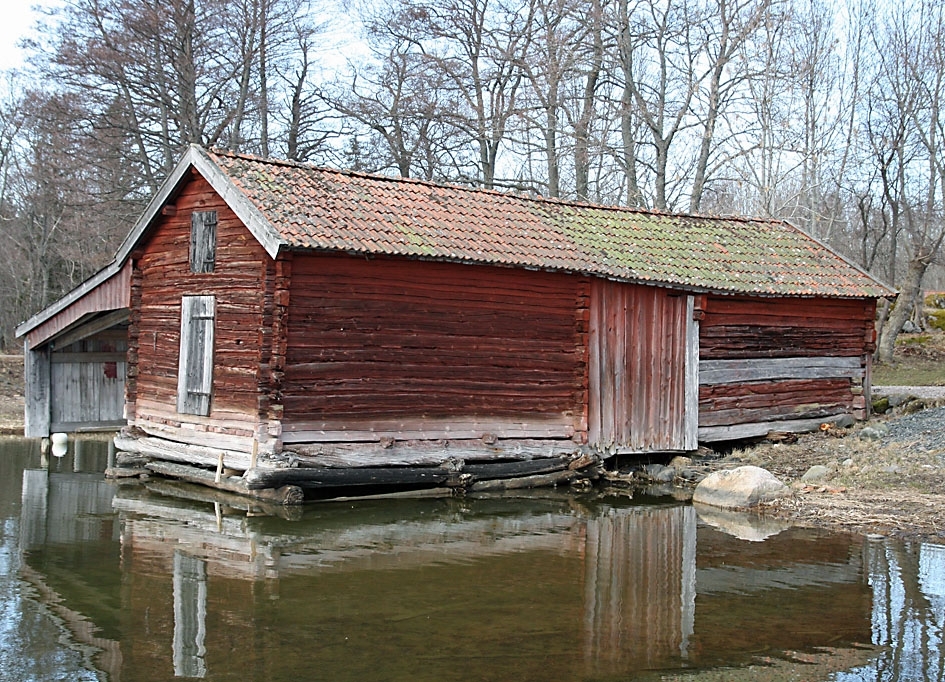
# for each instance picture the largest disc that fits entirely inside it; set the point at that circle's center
(203, 241)
(195, 369)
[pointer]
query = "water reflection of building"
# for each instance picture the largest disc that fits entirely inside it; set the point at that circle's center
(639, 586)
(517, 586)
(66, 519)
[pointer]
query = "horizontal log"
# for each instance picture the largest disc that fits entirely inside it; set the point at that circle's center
(162, 448)
(752, 341)
(780, 320)
(713, 434)
(761, 369)
(311, 477)
(419, 429)
(427, 453)
(539, 481)
(773, 390)
(452, 475)
(285, 494)
(819, 307)
(772, 413)
(496, 470)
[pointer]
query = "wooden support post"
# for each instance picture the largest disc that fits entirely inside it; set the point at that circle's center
(38, 399)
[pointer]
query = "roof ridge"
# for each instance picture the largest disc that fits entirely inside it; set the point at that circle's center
(540, 199)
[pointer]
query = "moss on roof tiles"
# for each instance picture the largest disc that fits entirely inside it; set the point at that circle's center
(324, 209)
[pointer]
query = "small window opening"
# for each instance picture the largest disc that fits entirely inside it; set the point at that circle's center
(203, 241)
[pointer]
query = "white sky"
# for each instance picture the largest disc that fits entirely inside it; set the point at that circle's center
(16, 19)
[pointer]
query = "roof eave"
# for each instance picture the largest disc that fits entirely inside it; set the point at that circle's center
(244, 209)
(891, 292)
(197, 158)
(61, 304)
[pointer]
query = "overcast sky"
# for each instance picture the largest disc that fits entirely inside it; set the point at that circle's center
(18, 18)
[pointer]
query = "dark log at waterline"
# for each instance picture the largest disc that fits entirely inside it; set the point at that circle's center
(453, 474)
(311, 477)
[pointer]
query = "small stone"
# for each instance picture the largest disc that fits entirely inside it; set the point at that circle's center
(848, 462)
(881, 405)
(679, 462)
(818, 472)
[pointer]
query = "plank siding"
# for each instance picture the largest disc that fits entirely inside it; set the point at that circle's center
(384, 346)
(162, 276)
(790, 362)
(638, 346)
(87, 380)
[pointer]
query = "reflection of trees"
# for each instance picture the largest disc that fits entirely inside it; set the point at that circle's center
(908, 581)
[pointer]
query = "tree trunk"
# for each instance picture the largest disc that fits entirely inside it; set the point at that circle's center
(904, 307)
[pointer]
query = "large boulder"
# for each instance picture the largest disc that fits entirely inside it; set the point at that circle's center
(740, 488)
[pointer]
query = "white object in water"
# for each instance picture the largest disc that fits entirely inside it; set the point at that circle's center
(60, 444)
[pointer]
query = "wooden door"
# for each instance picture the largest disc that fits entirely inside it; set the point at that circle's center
(643, 365)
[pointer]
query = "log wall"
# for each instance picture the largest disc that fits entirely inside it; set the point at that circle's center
(405, 349)
(240, 281)
(781, 364)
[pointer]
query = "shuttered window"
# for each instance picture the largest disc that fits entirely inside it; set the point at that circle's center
(203, 241)
(195, 369)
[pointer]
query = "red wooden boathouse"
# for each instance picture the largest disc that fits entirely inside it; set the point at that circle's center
(277, 310)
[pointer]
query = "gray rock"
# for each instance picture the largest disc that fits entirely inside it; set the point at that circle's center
(898, 399)
(910, 327)
(741, 488)
(818, 472)
(690, 474)
(660, 473)
(844, 421)
(873, 432)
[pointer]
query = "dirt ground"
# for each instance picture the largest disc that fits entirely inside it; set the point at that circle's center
(11, 394)
(873, 486)
(887, 486)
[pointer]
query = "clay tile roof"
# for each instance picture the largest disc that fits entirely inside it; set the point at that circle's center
(316, 208)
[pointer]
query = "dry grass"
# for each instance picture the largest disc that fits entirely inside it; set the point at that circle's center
(890, 489)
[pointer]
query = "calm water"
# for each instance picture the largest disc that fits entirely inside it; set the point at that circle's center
(102, 581)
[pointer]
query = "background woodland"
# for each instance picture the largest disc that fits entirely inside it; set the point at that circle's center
(823, 113)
